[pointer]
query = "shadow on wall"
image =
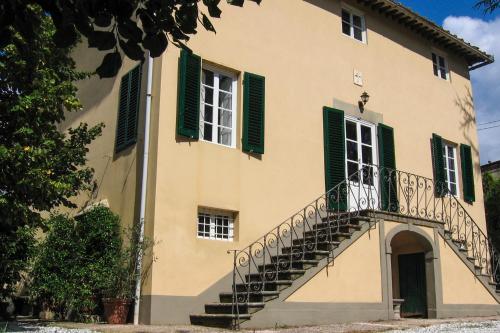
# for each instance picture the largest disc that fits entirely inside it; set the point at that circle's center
(91, 91)
(465, 107)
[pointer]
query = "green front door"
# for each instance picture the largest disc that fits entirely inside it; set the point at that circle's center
(412, 285)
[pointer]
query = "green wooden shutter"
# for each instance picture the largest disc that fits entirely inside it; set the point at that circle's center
(467, 173)
(128, 109)
(334, 145)
(388, 173)
(254, 90)
(188, 102)
(440, 187)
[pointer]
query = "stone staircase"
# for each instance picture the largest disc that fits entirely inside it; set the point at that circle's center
(314, 236)
(260, 287)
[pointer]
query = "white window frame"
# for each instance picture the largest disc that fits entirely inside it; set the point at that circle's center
(359, 123)
(440, 68)
(448, 170)
(353, 11)
(215, 107)
(209, 217)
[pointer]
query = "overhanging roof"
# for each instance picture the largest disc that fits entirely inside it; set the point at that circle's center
(429, 30)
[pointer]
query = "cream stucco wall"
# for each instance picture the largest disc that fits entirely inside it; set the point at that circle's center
(298, 46)
(116, 175)
(460, 286)
(354, 277)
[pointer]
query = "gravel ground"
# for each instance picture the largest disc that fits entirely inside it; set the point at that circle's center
(459, 325)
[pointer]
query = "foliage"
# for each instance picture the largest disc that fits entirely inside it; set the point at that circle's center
(16, 247)
(130, 26)
(40, 167)
(80, 261)
(491, 190)
(122, 281)
(489, 6)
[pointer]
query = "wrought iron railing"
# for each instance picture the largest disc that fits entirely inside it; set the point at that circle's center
(311, 230)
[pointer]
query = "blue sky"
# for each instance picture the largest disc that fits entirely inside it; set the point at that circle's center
(483, 30)
(438, 10)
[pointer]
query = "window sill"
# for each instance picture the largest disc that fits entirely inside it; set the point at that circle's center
(218, 144)
(363, 42)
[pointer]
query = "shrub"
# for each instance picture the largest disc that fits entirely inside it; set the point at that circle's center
(75, 261)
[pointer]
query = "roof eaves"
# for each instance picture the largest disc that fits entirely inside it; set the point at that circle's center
(421, 25)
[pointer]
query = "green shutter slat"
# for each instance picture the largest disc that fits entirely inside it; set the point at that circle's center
(388, 173)
(254, 91)
(334, 157)
(467, 173)
(133, 109)
(438, 163)
(121, 125)
(188, 103)
(128, 109)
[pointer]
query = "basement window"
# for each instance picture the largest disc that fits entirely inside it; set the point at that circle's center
(439, 66)
(216, 224)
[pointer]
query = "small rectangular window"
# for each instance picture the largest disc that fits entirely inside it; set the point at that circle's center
(353, 25)
(439, 66)
(218, 107)
(450, 168)
(217, 225)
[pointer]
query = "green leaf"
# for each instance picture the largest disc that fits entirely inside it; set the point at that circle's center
(102, 40)
(110, 65)
(207, 24)
(103, 20)
(213, 7)
(130, 31)
(156, 44)
(132, 50)
(65, 37)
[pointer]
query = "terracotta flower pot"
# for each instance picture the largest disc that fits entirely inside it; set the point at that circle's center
(116, 310)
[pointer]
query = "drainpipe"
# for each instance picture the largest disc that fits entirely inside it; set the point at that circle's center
(144, 185)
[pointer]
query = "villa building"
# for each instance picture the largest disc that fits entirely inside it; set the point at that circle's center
(331, 144)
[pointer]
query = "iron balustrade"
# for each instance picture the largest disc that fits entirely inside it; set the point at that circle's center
(270, 260)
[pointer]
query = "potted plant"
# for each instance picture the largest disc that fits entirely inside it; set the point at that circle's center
(119, 293)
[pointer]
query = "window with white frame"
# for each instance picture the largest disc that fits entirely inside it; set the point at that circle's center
(353, 25)
(215, 225)
(450, 168)
(218, 107)
(439, 66)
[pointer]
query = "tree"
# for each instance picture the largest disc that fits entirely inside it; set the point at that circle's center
(40, 167)
(489, 6)
(130, 26)
(491, 190)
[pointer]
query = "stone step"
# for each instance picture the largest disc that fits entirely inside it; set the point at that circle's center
(349, 216)
(324, 237)
(255, 296)
(218, 320)
(285, 264)
(289, 274)
(311, 245)
(324, 228)
(278, 285)
(307, 255)
(230, 308)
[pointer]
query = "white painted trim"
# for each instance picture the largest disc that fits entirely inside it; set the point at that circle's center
(374, 145)
(215, 106)
(351, 10)
(446, 146)
(446, 67)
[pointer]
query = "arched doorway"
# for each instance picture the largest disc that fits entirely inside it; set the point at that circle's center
(412, 272)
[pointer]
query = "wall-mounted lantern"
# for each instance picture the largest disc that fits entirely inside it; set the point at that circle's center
(364, 99)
